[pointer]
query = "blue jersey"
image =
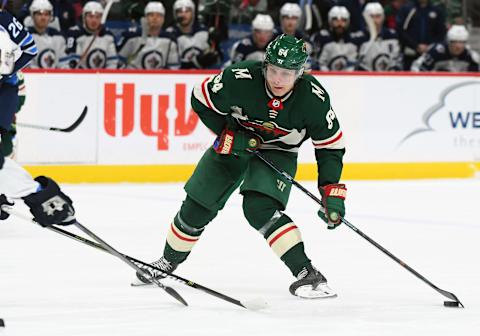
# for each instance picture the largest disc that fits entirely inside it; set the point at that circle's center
(22, 38)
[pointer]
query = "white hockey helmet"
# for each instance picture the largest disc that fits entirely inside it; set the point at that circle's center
(373, 8)
(263, 22)
(338, 12)
(92, 7)
(291, 9)
(457, 33)
(154, 7)
(179, 4)
(40, 6)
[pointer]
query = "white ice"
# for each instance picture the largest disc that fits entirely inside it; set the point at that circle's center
(51, 285)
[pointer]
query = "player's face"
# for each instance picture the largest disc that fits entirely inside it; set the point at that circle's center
(289, 24)
(93, 21)
(377, 19)
(184, 16)
(280, 81)
(155, 20)
(262, 37)
(339, 25)
(41, 19)
(456, 47)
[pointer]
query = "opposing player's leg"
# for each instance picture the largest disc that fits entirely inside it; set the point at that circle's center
(208, 189)
(265, 198)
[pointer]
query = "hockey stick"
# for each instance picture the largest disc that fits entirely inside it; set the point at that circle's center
(122, 257)
(363, 235)
(249, 304)
(58, 129)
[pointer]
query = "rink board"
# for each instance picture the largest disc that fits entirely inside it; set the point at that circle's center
(140, 126)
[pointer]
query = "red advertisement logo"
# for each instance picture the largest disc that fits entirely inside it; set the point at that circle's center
(185, 122)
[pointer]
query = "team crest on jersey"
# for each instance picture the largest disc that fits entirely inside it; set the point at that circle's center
(97, 59)
(152, 60)
(47, 59)
(267, 129)
(189, 53)
(381, 63)
(338, 63)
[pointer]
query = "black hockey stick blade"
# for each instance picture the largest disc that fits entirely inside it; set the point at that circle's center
(249, 304)
(354, 228)
(58, 129)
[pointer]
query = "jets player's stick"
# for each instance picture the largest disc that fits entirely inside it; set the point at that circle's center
(249, 304)
(58, 129)
(122, 257)
(363, 235)
(372, 29)
(102, 24)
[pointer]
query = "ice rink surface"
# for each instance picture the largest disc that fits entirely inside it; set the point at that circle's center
(51, 285)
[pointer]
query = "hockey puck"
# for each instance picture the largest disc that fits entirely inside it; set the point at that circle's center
(2, 323)
(450, 303)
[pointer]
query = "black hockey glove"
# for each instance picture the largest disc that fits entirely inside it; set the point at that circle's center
(206, 59)
(50, 205)
(4, 202)
(235, 142)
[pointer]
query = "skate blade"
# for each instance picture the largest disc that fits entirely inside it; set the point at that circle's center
(138, 283)
(321, 292)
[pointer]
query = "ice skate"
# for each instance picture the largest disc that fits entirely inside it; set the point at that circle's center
(161, 263)
(311, 284)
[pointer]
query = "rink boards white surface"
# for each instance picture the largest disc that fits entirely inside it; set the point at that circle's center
(50, 285)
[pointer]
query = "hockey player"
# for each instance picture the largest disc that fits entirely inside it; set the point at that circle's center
(253, 47)
(152, 48)
(91, 45)
(290, 15)
(271, 106)
(42, 195)
(336, 49)
(17, 49)
(197, 48)
(50, 43)
(452, 56)
(383, 53)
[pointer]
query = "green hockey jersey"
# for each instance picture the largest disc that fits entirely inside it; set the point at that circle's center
(239, 95)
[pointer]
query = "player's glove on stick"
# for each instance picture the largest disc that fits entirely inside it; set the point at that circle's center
(4, 202)
(50, 205)
(235, 142)
(333, 201)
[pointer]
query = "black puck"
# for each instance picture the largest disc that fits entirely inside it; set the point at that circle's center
(450, 303)
(2, 323)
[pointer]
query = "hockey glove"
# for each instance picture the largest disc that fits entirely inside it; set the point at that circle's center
(50, 205)
(206, 59)
(235, 142)
(4, 202)
(333, 201)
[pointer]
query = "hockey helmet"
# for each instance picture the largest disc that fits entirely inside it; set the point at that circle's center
(179, 4)
(373, 8)
(262, 22)
(40, 6)
(338, 12)
(286, 52)
(291, 10)
(154, 7)
(457, 33)
(92, 7)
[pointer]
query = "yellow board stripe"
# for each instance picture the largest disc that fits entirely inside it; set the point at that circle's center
(180, 173)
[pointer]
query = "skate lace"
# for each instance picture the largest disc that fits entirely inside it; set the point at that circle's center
(302, 274)
(163, 264)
